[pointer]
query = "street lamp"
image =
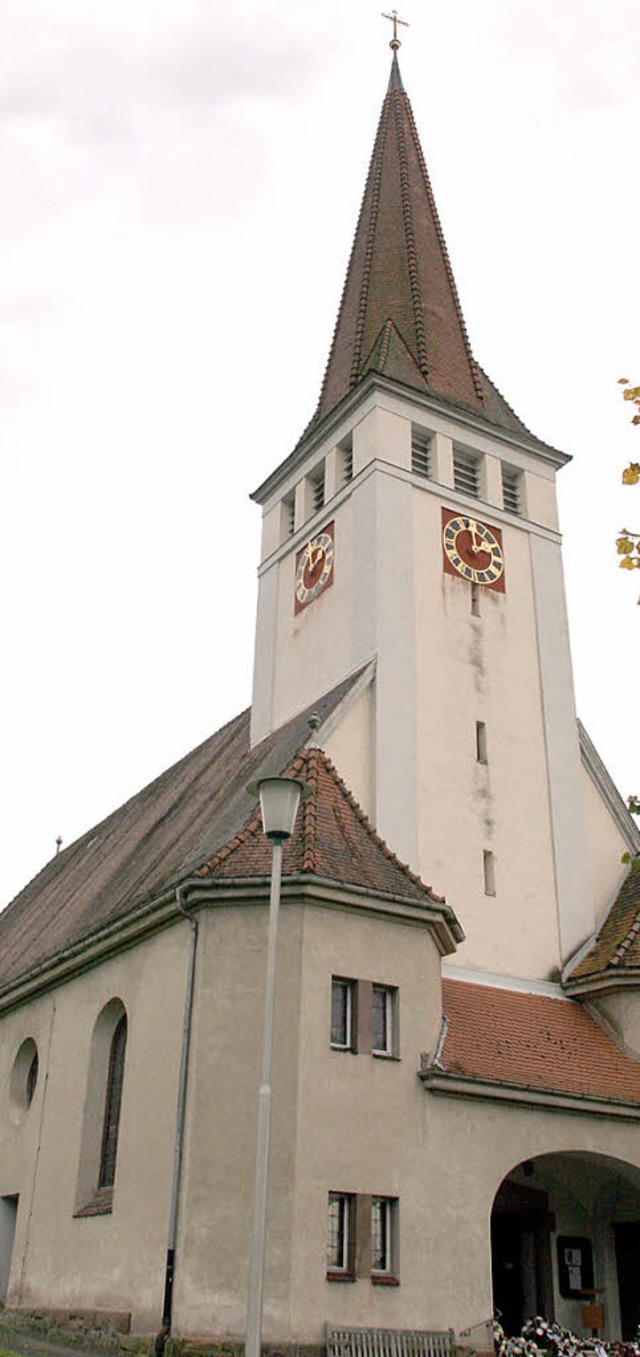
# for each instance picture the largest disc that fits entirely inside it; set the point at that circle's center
(279, 801)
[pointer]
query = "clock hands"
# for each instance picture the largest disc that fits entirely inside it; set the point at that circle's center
(314, 559)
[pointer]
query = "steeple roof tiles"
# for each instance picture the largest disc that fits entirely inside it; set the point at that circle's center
(400, 270)
(399, 275)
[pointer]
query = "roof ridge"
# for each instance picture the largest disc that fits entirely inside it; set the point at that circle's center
(310, 813)
(345, 285)
(376, 166)
(247, 832)
(306, 765)
(504, 400)
(629, 937)
(386, 333)
(387, 852)
(475, 375)
(409, 233)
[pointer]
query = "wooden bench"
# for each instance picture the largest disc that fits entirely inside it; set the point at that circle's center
(355, 1342)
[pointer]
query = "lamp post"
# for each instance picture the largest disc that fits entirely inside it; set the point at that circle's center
(279, 801)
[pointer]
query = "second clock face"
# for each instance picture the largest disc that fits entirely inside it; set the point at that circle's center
(314, 567)
(472, 550)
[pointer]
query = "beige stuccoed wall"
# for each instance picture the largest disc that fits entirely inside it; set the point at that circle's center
(114, 1261)
(341, 1122)
(332, 1111)
(622, 1009)
(216, 1204)
(360, 1117)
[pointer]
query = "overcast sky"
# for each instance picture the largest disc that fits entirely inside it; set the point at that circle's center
(180, 184)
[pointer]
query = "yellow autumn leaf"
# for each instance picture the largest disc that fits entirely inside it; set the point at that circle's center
(631, 474)
(626, 563)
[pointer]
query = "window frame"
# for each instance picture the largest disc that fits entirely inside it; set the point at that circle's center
(344, 1270)
(386, 1208)
(390, 1024)
(348, 987)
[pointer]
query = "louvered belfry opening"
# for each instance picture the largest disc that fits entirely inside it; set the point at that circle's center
(113, 1103)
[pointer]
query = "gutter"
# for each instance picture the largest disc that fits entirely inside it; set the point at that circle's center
(211, 892)
(524, 1095)
(180, 1120)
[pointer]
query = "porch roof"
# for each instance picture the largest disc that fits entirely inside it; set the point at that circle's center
(533, 1041)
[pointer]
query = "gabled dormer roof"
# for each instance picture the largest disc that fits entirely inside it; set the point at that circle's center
(400, 315)
(612, 959)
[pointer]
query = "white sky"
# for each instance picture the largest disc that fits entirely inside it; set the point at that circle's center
(180, 184)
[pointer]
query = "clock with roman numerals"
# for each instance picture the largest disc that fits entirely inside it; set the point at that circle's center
(314, 568)
(472, 550)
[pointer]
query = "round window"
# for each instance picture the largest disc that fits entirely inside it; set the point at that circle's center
(24, 1075)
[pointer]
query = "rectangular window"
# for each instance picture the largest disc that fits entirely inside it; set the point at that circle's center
(475, 600)
(382, 1020)
(511, 489)
(421, 459)
(481, 742)
(362, 1238)
(381, 1234)
(342, 992)
(466, 472)
(340, 1252)
(489, 864)
(364, 1017)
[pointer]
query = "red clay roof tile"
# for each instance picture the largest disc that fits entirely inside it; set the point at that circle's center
(616, 949)
(533, 1041)
(332, 839)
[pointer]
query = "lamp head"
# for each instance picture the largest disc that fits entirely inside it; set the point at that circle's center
(279, 801)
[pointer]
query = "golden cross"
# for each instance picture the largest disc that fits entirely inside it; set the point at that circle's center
(393, 16)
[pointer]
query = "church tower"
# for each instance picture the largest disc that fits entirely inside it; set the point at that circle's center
(412, 538)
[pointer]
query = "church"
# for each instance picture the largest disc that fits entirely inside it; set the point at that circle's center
(456, 1079)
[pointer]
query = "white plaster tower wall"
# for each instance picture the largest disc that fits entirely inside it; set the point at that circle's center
(440, 671)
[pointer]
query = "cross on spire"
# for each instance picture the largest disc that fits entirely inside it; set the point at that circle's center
(393, 16)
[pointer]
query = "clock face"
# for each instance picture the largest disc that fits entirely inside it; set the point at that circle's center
(314, 567)
(472, 550)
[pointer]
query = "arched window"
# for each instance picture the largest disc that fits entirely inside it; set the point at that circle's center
(101, 1122)
(113, 1100)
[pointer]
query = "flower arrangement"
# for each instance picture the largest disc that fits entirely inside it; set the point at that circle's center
(541, 1338)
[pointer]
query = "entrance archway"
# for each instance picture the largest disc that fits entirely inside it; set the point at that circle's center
(565, 1233)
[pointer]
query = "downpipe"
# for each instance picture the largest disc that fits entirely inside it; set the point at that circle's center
(167, 1304)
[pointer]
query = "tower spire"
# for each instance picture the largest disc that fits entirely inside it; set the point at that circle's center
(400, 314)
